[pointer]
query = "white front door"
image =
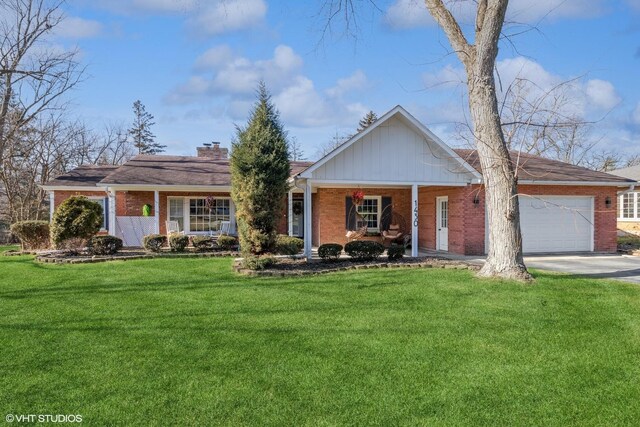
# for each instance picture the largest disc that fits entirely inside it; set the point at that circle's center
(297, 218)
(442, 223)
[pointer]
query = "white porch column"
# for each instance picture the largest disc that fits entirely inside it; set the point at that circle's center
(290, 212)
(156, 209)
(112, 211)
(414, 220)
(51, 204)
(308, 242)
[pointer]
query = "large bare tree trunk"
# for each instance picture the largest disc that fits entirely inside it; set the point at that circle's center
(505, 240)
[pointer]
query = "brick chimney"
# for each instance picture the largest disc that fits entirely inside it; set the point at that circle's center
(213, 151)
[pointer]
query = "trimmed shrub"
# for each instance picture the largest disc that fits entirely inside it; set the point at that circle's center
(75, 218)
(104, 245)
(178, 242)
(154, 242)
(363, 250)
(203, 243)
(258, 262)
(32, 234)
(395, 252)
(227, 243)
(329, 252)
(287, 245)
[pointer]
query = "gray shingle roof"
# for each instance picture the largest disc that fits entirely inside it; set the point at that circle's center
(536, 168)
(632, 172)
(83, 176)
(177, 170)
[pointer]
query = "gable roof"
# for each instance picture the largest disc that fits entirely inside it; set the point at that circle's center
(632, 172)
(540, 169)
(397, 111)
(83, 176)
(161, 170)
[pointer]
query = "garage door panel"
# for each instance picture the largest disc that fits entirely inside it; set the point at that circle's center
(556, 224)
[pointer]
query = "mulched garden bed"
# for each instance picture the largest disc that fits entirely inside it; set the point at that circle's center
(60, 257)
(300, 267)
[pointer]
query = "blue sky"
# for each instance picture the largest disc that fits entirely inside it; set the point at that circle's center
(195, 64)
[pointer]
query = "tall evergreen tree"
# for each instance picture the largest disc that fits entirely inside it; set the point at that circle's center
(259, 173)
(367, 120)
(140, 131)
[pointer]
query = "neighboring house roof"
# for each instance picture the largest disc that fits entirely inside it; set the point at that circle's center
(540, 169)
(632, 172)
(160, 170)
(83, 176)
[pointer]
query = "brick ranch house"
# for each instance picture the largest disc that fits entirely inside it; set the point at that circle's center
(409, 178)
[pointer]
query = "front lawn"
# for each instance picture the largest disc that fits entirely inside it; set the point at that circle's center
(188, 342)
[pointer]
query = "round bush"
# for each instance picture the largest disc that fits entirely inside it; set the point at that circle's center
(178, 242)
(203, 243)
(329, 251)
(104, 245)
(288, 245)
(395, 252)
(258, 262)
(227, 242)
(32, 234)
(76, 218)
(154, 242)
(363, 250)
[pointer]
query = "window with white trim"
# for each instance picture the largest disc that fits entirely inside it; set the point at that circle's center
(102, 202)
(369, 213)
(628, 206)
(203, 218)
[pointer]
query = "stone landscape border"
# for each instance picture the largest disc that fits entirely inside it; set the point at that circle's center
(66, 259)
(354, 265)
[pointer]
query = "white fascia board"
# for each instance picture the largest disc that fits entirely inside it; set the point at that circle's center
(386, 184)
(76, 188)
(578, 183)
(151, 187)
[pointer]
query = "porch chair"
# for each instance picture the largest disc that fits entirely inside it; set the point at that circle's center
(225, 228)
(392, 234)
(173, 227)
(356, 234)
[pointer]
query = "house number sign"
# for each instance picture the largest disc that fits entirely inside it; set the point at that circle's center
(415, 213)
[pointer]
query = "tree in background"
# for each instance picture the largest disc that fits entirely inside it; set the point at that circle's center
(296, 153)
(140, 131)
(367, 120)
(259, 172)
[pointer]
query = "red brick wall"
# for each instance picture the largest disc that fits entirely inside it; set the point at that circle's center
(61, 196)
(329, 205)
(130, 203)
(466, 219)
(605, 219)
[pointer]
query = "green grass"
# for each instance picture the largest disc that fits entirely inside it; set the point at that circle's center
(187, 342)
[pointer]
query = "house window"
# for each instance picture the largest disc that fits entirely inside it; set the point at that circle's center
(205, 219)
(102, 201)
(369, 213)
(627, 205)
(176, 212)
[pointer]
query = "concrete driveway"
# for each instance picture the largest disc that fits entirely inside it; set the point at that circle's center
(621, 267)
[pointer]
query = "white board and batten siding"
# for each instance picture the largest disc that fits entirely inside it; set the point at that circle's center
(393, 152)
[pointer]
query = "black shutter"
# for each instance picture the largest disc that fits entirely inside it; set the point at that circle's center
(350, 214)
(106, 214)
(386, 213)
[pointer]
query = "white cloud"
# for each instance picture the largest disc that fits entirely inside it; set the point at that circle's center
(223, 75)
(403, 14)
(602, 94)
(445, 78)
(73, 27)
(229, 15)
(207, 18)
(357, 81)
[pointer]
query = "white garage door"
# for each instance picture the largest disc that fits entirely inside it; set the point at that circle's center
(556, 224)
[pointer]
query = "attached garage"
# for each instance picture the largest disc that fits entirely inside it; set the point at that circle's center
(557, 223)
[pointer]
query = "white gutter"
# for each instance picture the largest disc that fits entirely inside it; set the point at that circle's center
(577, 183)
